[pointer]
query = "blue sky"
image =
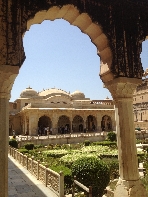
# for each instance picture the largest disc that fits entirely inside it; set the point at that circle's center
(59, 55)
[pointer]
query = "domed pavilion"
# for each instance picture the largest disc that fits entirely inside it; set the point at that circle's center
(54, 108)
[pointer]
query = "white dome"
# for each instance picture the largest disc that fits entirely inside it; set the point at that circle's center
(53, 92)
(77, 95)
(28, 92)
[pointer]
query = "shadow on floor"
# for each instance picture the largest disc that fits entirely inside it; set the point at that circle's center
(22, 184)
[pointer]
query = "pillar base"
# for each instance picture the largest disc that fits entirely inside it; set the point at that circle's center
(129, 189)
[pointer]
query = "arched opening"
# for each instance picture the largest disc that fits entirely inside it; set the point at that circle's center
(44, 125)
(91, 123)
(64, 124)
(106, 123)
(83, 21)
(56, 76)
(77, 124)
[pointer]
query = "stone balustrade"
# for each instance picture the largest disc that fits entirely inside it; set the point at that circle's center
(62, 138)
(72, 138)
(142, 170)
(50, 178)
(142, 134)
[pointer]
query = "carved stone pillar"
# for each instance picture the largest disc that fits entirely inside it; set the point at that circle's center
(117, 120)
(7, 77)
(33, 124)
(23, 128)
(99, 119)
(4, 119)
(84, 124)
(25, 125)
(129, 184)
(54, 124)
(71, 119)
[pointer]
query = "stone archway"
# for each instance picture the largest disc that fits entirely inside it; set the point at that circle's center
(84, 22)
(78, 124)
(64, 124)
(44, 123)
(106, 123)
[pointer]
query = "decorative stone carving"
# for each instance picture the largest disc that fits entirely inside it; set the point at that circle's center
(129, 184)
(109, 26)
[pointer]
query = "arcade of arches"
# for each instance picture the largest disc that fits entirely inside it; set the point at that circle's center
(37, 113)
(117, 29)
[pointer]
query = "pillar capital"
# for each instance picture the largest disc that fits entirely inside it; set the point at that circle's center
(7, 76)
(122, 87)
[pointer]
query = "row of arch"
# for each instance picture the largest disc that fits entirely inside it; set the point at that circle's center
(78, 124)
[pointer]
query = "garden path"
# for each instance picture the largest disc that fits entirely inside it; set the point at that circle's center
(22, 184)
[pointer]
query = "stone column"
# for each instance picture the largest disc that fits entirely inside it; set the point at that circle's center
(129, 184)
(99, 119)
(25, 125)
(33, 124)
(84, 123)
(4, 122)
(71, 119)
(54, 125)
(7, 77)
(116, 117)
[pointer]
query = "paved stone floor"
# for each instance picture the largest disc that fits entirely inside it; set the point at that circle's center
(22, 184)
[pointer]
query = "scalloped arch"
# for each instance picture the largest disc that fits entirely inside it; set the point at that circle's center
(82, 20)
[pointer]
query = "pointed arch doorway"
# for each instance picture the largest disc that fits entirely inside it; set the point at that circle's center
(44, 123)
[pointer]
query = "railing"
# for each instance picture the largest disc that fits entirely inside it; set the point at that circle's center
(48, 177)
(142, 170)
(70, 135)
(88, 190)
(103, 102)
(142, 134)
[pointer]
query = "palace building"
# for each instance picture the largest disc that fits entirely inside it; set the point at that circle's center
(140, 104)
(34, 113)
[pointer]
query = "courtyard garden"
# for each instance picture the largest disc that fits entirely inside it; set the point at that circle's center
(94, 164)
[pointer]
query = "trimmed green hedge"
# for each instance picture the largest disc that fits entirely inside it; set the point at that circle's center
(91, 171)
(23, 150)
(111, 136)
(105, 143)
(13, 143)
(86, 143)
(29, 146)
(113, 165)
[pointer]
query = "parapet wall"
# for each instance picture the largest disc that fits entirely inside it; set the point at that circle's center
(61, 139)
